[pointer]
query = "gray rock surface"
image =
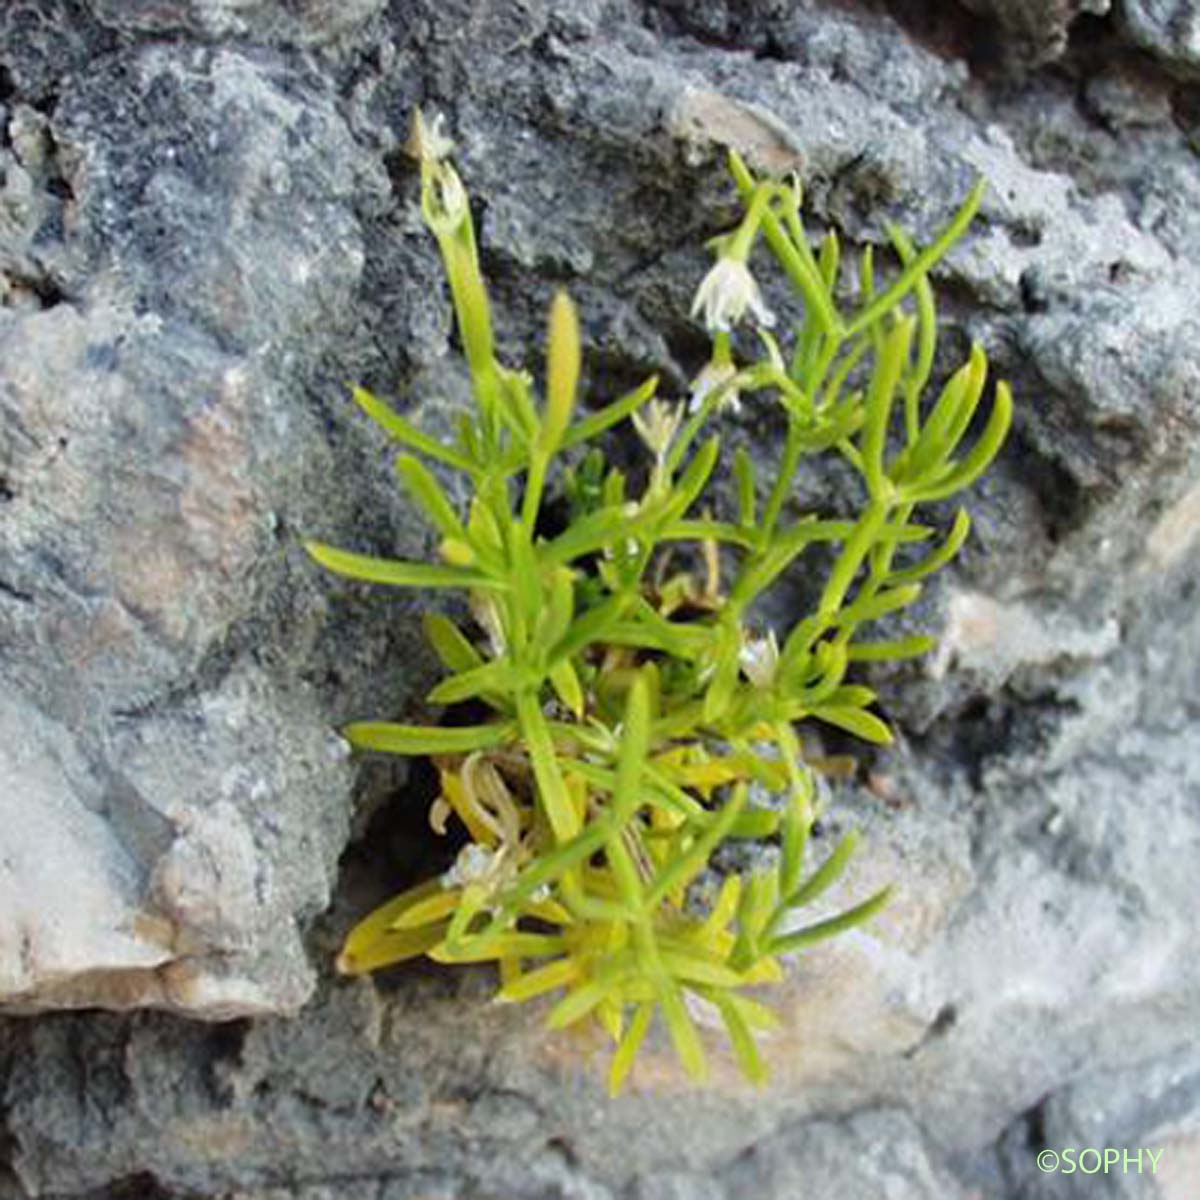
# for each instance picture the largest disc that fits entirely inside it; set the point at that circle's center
(1040, 29)
(309, 22)
(176, 234)
(207, 226)
(1169, 29)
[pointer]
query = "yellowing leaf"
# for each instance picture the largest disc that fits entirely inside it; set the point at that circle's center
(429, 910)
(553, 975)
(454, 792)
(741, 1038)
(426, 739)
(578, 1002)
(683, 1032)
(505, 946)
(631, 1043)
(372, 943)
(562, 371)
(566, 684)
(387, 948)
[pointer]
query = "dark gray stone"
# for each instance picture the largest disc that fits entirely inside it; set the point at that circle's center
(1040, 28)
(308, 22)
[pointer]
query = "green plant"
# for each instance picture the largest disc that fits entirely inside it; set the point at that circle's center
(631, 710)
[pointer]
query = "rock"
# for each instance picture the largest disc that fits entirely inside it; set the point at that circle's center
(1168, 29)
(307, 23)
(69, 886)
(206, 228)
(876, 1153)
(992, 640)
(1123, 1135)
(1040, 28)
(149, 458)
(1124, 98)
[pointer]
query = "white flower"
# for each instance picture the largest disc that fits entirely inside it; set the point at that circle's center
(715, 375)
(427, 141)
(473, 865)
(656, 424)
(447, 195)
(726, 293)
(759, 659)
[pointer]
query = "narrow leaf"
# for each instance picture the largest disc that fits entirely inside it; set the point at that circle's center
(938, 558)
(428, 495)
(980, 457)
(592, 626)
(427, 739)
(405, 431)
(552, 789)
(682, 1030)
(397, 571)
(596, 423)
(926, 317)
(856, 721)
(631, 1043)
(372, 943)
(694, 968)
(791, 942)
(827, 874)
(450, 643)
(741, 1038)
(743, 472)
(385, 948)
(631, 756)
(507, 946)
(499, 675)
(557, 613)
(871, 608)
(920, 265)
(560, 973)
(428, 910)
(691, 483)
(587, 534)
(796, 827)
(893, 356)
(890, 651)
(566, 684)
(562, 371)
(947, 423)
(680, 870)
(580, 1001)
(756, 823)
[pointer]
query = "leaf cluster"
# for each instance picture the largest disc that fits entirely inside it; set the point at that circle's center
(634, 710)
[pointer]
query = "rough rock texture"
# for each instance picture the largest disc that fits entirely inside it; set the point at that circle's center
(1040, 29)
(1169, 29)
(178, 234)
(308, 22)
(207, 226)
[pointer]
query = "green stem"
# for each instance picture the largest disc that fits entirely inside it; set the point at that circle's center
(740, 243)
(792, 450)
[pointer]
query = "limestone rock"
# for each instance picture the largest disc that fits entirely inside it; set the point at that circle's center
(194, 797)
(207, 228)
